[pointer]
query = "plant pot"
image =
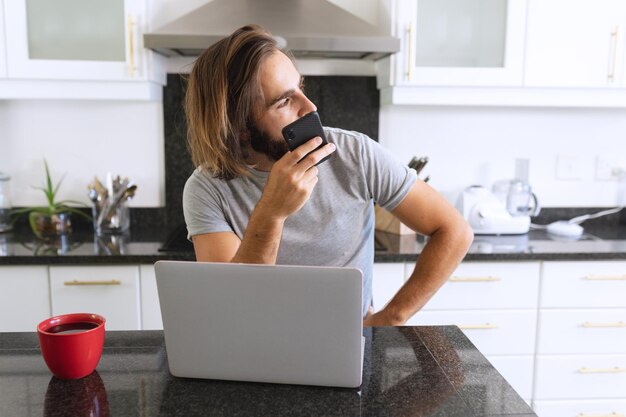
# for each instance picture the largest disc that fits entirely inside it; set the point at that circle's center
(43, 224)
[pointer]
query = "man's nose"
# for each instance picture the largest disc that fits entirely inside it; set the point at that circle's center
(307, 106)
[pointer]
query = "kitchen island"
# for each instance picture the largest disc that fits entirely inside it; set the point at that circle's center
(424, 370)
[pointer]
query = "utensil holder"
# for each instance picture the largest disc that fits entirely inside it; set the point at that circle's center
(118, 221)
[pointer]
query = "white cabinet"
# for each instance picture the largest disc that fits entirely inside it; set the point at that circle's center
(581, 408)
(386, 281)
(581, 355)
(576, 43)
(150, 307)
(459, 43)
(24, 297)
(112, 291)
(79, 49)
(3, 59)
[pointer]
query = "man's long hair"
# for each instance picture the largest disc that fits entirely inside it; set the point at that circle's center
(223, 91)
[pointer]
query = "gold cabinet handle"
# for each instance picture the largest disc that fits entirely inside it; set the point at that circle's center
(111, 282)
(605, 277)
(614, 36)
(614, 370)
(131, 47)
(474, 279)
(485, 326)
(613, 414)
(409, 43)
(616, 324)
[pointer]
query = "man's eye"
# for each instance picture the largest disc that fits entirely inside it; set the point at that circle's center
(283, 102)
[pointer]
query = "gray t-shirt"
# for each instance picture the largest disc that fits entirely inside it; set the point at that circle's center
(335, 227)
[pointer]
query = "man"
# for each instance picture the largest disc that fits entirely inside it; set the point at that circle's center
(251, 200)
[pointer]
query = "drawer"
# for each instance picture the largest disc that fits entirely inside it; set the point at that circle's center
(386, 281)
(112, 291)
(582, 331)
(489, 285)
(581, 408)
(24, 297)
(584, 284)
(580, 376)
(518, 371)
(499, 332)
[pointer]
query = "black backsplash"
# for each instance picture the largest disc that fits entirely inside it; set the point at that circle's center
(347, 102)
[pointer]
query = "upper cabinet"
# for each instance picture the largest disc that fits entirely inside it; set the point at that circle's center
(3, 58)
(86, 42)
(458, 43)
(576, 43)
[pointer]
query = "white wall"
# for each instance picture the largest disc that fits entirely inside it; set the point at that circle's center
(479, 145)
(82, 139)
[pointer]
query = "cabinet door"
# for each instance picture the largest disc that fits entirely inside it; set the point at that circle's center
(578, 377)
(460, 42)
(24, 297)
(387, 280)
(3, 62)
(112, 291)
(575, 43)
(150, 307)
(74, 39)
(489, 285)
(594, 284)
(581, 331)
(518, 371)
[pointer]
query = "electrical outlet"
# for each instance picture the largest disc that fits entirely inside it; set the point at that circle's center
(610, 168)
(568, 168)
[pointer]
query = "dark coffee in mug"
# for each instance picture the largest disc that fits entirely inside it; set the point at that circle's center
(70, 328)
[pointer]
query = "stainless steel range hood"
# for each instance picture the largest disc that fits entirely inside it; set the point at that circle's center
(310, 28)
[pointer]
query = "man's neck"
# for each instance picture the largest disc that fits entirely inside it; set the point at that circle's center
(259, 161)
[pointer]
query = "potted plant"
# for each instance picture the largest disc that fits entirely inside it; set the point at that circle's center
(53, 218)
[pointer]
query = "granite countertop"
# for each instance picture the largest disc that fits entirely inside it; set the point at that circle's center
(137, 247)
(426, 371)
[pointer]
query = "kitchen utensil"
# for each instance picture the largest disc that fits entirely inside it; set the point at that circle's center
(488, 215)
(5, 203)
(71, 344)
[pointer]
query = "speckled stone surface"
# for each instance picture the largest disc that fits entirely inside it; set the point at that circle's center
(407, 371)
(600, 242)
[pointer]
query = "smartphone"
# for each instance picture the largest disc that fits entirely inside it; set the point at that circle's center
(305, 128)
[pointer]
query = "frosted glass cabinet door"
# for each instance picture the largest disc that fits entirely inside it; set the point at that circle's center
(74, 39)
(460, 42)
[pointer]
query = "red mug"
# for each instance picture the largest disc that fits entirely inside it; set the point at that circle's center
(71, 344)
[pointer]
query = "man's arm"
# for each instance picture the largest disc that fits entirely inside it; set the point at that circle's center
(427, 212)
(289, 186)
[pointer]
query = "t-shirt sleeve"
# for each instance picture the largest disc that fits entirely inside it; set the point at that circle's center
(202, 208)
(388, 179)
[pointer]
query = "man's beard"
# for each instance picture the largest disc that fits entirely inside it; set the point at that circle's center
(263, 143)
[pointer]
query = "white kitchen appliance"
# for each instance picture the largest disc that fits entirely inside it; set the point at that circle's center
(488, 215)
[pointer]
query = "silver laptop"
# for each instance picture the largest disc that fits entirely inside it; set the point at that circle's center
(262, 323)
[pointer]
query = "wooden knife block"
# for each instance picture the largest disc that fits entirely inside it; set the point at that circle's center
(387, 222)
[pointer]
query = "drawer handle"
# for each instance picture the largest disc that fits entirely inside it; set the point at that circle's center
(111, 282)
(606, 277)
(131, 48)
(614, 370)
(613, 414)
(409, 37)
(474, 279)
(618, 324)
(485, 326)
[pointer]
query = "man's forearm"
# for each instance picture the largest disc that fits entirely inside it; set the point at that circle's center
(261, 239)
(441, 255)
